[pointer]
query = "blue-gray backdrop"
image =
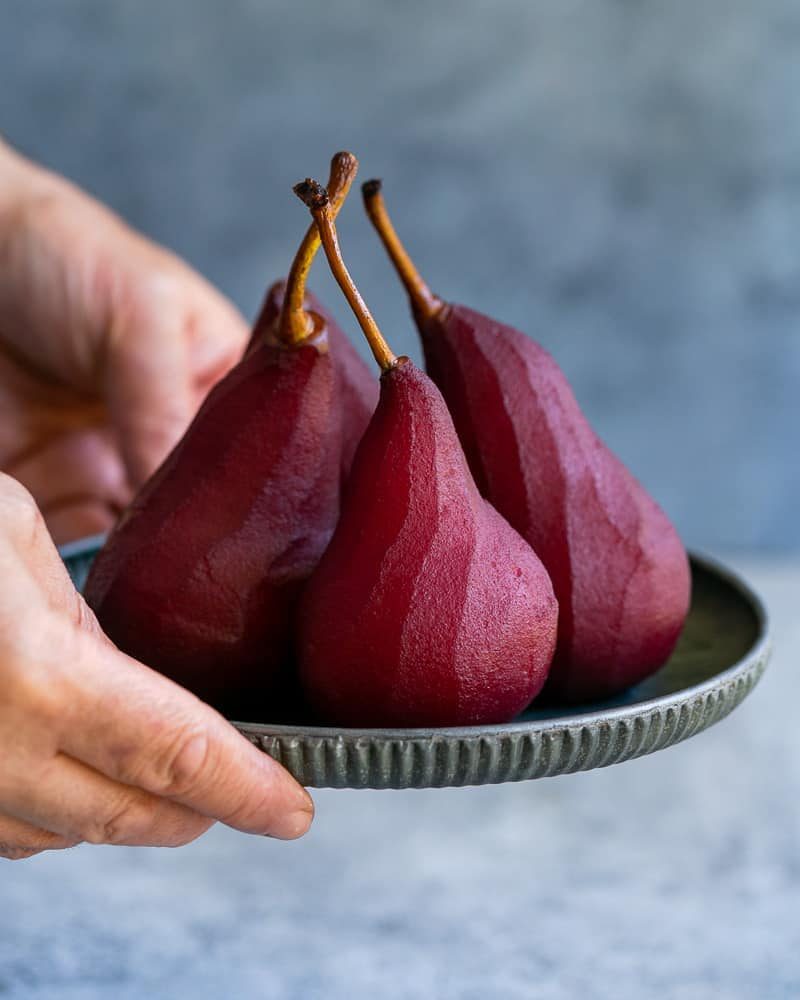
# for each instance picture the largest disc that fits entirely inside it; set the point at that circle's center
(620, 179)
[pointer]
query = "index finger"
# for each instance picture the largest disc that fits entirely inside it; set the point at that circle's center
(140, 728)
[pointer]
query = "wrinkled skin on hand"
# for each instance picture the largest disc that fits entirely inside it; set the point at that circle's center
(97, 747)
(108, 344)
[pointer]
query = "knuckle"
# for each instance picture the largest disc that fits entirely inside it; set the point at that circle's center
(146, 821)
(126, 822)
(185, 763)
(174, 761)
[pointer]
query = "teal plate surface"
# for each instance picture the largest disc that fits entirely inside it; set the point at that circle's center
(721, 655)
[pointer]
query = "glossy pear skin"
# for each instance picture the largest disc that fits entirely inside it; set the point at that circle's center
(356, 385)
(427, 608)
(619, 570)
(200, 577)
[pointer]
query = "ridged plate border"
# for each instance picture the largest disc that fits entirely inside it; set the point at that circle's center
(518, 751)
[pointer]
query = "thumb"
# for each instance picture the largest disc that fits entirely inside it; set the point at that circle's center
(148, 379)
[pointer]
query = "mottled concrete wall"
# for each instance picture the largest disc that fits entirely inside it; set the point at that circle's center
(621, 179)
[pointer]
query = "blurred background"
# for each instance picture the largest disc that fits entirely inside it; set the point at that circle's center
(619, 178)
(622, 180)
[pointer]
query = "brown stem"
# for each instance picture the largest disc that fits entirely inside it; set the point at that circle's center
(424, 302)
(294, 323)
(316, 198)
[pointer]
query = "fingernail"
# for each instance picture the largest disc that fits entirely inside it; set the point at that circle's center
(294, 824)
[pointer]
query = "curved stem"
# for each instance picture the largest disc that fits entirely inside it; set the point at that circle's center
(425, 303)
(316, 198)
(294, 323)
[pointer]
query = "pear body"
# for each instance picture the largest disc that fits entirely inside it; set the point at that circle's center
(356, 386)
(200, 577)
(427, 608)
(619, 570)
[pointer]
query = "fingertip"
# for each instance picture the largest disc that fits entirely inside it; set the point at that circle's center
(290, 809)
(220, 336)
(293, 825)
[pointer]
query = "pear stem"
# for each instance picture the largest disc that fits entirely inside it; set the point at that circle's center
(316, 198)
(294, 323)
(425, 303)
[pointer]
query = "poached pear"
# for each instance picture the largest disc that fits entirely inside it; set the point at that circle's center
(427, 608)
(618, 567)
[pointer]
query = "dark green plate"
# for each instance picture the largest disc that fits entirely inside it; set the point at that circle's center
(721, 655)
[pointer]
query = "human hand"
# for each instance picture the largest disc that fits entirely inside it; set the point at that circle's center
(108, 344)
(93, 745)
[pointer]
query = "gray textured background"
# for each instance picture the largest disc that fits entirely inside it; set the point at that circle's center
(622, 179)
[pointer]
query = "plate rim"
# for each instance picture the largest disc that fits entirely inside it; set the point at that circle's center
(759, 652)
(457, 756)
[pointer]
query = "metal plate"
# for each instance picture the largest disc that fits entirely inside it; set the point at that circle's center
(721, 656)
